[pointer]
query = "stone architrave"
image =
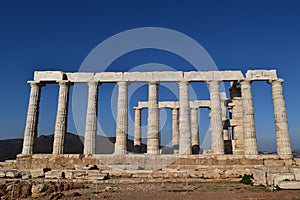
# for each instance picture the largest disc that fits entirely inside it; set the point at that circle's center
(32, 117)
(91, 119)
(153, 120)
(280, 119)
(250, 142)
(61, 117)
(195, 131)
(122, 119)
(175, 130)
(137, 130)
(185, 146)
(216, 126)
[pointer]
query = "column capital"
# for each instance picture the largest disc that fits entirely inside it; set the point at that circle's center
(194, 108)
(123, 83)
(65, 83)
(183, 83)
(245, 82)
(93, 83)
(36, 83)
(137, 108)
(276, 81)
(213, 82)
(153, 82)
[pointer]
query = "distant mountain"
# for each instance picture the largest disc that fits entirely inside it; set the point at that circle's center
(73, 145)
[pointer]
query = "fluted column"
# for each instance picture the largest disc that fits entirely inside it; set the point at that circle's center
(195, 131)
(185, 146)
(250, 142)
(175, 130)
(216, 126)
(91, 119)
(153, 120)
(122, 119)
(137, 130)
(280, 119)
(61, 117)
(32, 118)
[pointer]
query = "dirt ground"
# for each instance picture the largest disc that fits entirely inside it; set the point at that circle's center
(152, 191)
(174, 191)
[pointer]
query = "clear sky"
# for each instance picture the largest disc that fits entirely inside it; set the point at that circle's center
(58, 35)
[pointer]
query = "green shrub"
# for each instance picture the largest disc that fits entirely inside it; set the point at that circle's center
(247, 179)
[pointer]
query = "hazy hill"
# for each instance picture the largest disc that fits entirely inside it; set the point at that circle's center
(73, 145)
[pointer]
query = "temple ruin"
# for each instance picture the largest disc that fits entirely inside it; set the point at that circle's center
(185, 136)
(233, 152)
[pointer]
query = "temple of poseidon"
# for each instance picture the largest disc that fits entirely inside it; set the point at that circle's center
(233, 152)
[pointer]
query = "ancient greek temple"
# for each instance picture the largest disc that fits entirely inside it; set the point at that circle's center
(237, 128)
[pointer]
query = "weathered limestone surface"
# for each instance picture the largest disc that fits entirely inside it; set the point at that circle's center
(61, 118)
(281, 125)
(216, 128)
(109, 76)
(91, 119)
(48, 76)
(250, 143)
(261, 75)
(32, 118)
(213, 75)
(80, 77)
(184, 119)
(153, 120)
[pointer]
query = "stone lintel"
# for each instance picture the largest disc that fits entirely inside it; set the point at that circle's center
(261, 75)
(109, 76)
(49, 76)
(80, 77)
(175, 104)
(200, 104)
(213, 75)
(168, 76)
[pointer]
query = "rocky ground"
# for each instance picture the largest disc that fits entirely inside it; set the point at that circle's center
(146, 190)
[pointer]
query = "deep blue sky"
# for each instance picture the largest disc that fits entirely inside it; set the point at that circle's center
(58, 35)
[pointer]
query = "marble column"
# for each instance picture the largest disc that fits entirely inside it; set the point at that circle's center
(32, 118)
(185, 146)
(122, 119)
(195, 131)
(61, 117)
(280, 119)
(216, 126)
(250, 142)
(153, 120)
(91, 119)
(137, 130)
(224, 115)
(175, 130)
